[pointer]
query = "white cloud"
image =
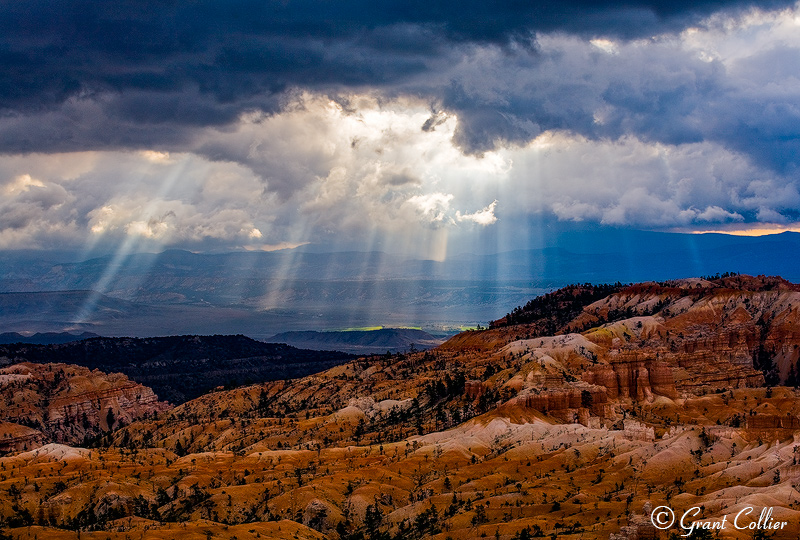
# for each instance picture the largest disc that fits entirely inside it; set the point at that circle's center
(635, 183)
(433, 207)
(715, 214)
(605, 45)
(373, 174)
(21, 183)
(768, 215)
(481, 217)
(153, 229)
(155, 156)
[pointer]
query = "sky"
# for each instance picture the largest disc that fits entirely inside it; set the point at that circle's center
(420, 128)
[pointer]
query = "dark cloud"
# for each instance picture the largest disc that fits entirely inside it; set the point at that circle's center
(81, 74)
(234, 50)
(658, 91)
(437, 118)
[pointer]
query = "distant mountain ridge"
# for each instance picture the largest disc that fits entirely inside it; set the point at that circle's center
(179, 368)
(263, 293)
(629, 256)
(43, 338)
(360, 341)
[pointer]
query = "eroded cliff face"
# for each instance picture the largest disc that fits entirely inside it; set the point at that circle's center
(572, 402)
(682, 338)
(17, 438)
(704, 329)
(634, 376)
(648, 341)
(67, 404)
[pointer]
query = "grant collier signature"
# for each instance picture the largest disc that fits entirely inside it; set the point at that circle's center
(663, 517)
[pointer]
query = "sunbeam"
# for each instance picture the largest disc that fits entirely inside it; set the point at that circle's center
(134, 239)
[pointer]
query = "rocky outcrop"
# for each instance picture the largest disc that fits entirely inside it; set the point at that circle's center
(721, 357)
(637, 431)
(319, 515)
(474, 389)
(574, 402)
(67, 404)
(629, 375)
(773, 421)
(17, 438)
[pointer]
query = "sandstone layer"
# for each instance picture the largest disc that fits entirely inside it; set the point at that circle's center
(67, 404)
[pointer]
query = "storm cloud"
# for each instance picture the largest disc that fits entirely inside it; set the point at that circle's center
(258, 124)
(165, 66)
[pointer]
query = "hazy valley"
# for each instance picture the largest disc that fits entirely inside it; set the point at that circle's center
(260, 294)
